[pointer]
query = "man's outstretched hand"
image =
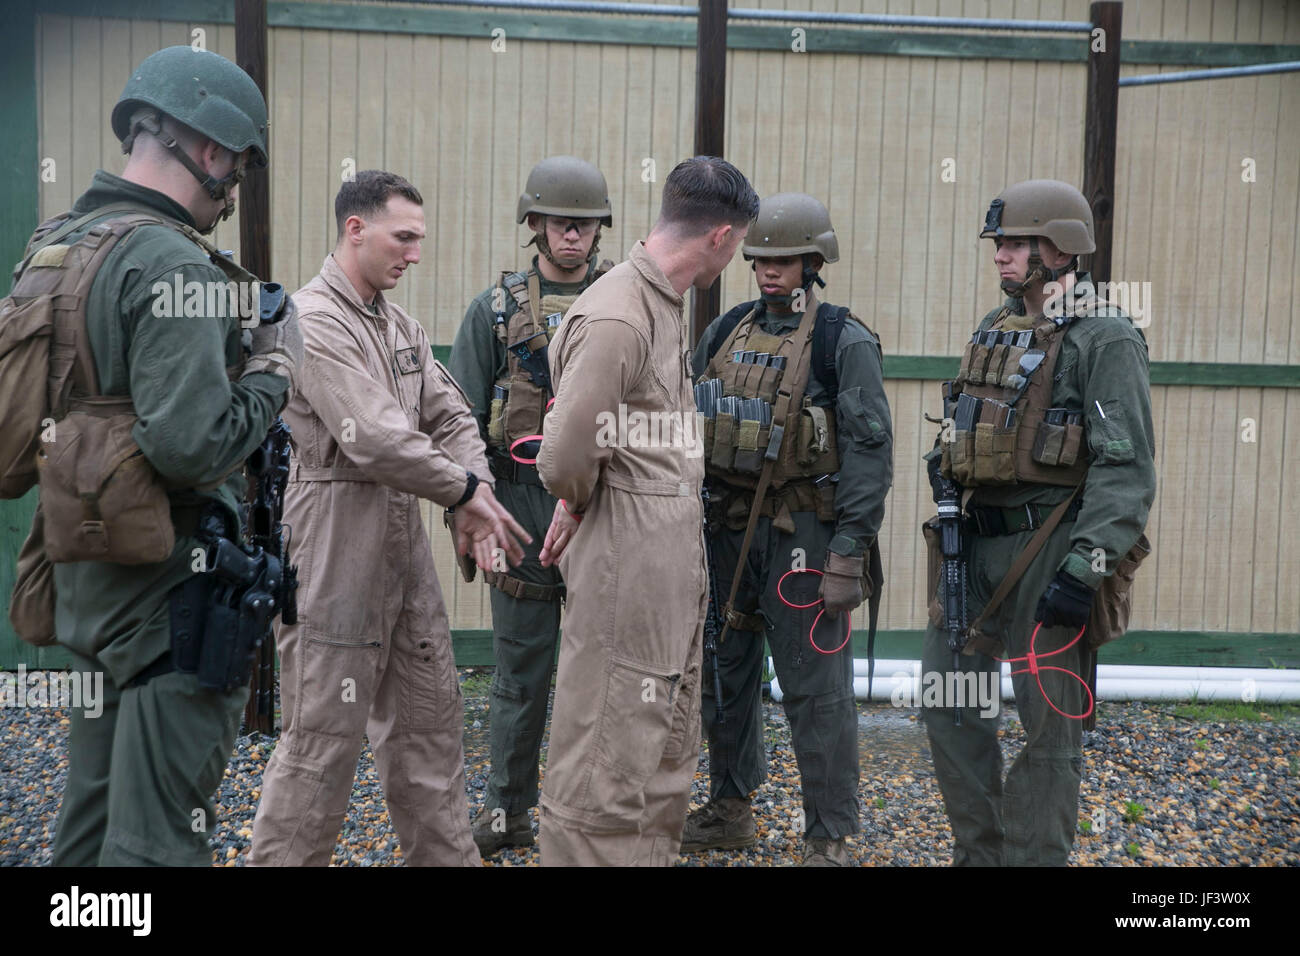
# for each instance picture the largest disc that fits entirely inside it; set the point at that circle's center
(483, 526)
(563, 527)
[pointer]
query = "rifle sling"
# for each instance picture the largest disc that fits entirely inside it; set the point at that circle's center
(1024, 560)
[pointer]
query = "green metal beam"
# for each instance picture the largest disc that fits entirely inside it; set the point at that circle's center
(940, 368)
(674, 32)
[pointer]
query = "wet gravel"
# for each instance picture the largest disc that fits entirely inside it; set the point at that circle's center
(1160, 788)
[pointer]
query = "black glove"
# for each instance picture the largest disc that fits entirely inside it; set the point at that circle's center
(1067, 602)
(932, 468)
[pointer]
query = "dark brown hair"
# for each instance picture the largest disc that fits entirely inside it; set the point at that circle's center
(704, 192)
(368, 193)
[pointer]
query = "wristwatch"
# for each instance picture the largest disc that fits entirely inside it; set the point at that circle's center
(471, 485)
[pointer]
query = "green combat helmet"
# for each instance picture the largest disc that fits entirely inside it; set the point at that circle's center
(205, 92)
(789, 224)
(792, 224)
(1041, 207)
(565, 186)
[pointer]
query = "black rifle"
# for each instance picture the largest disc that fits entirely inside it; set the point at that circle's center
(953, 571)
(534, 360)
(713, 619)
(268, 470)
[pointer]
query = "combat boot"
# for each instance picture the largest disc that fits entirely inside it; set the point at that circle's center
(726, 824)
(518, 831)
(823, 851)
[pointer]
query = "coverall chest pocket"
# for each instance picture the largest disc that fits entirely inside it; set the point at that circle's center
(407, 367)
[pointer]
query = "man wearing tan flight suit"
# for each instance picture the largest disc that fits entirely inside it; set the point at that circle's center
(377, 425)
(625, 728)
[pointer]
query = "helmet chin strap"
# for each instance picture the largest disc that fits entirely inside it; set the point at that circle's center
(150, 121)
(1038, 272)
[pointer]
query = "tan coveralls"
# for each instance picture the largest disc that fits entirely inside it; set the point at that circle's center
(625, 730)
(377, 424)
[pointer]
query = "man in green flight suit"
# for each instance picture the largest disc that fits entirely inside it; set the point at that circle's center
(1074, 371)
(142, 774)
(565, 202)
(822, 510)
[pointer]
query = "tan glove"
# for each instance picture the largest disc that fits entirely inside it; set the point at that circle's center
(277, 348)
(841, 588)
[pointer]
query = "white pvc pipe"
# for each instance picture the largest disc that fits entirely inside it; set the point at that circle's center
(900, 680)
(1141, 671)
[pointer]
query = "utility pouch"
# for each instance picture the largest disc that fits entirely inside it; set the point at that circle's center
(724, 441)
(995, 453)
(524, 410)
(1057, 444)
(979, 363)
(959, 457)
(1113, 604)
(1010, 365)
(101, 498)
(997, 356)
(814, 435)
(768, 383)
(751, 443)
(733, 377)
(934, 564)
(496, 419)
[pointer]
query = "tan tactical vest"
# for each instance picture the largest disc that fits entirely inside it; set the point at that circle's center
(520, 411)
(734, 447)
(1039, 444)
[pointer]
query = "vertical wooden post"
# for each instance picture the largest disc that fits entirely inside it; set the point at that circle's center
(255, 255)
(1099, 138)
(710, 120)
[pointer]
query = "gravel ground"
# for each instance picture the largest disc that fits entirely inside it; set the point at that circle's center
(1163, 785)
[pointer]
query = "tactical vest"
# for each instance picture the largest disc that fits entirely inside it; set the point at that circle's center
(749, 366)
(518, 402)
(1003, 429)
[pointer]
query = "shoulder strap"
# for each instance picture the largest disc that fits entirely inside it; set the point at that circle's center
(728, 325)
(826, 337)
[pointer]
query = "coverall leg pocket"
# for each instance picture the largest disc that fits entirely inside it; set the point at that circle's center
(635, 725)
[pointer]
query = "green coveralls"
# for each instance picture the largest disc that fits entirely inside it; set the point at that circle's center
(817, 687)
(525, 632)
(1030, 821)
(141, 775)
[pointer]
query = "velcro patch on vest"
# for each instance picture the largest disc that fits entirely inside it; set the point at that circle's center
(407, 361)
(552, 304)
(50, 255)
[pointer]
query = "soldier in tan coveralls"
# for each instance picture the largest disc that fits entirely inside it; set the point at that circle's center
(377, 425)
(625, 729)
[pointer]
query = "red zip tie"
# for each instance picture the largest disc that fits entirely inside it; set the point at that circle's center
(1035, 668)
(848, 619)
(537, 438)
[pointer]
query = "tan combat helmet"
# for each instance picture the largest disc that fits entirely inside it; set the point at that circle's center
(789, 224)
(566, 186)
(1041, 207)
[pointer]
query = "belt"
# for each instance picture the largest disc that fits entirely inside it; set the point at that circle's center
(162, 665)
(994, 522)
(507, 469)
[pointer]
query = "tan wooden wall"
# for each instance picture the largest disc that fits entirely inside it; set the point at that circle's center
(868, 134)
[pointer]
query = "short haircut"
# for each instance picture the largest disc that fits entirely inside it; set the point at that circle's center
(369, 192)
(704, 192)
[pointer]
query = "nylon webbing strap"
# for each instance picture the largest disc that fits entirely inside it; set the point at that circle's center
(1022, 563)
(780, 412)
(876, 573)
(524, 590)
